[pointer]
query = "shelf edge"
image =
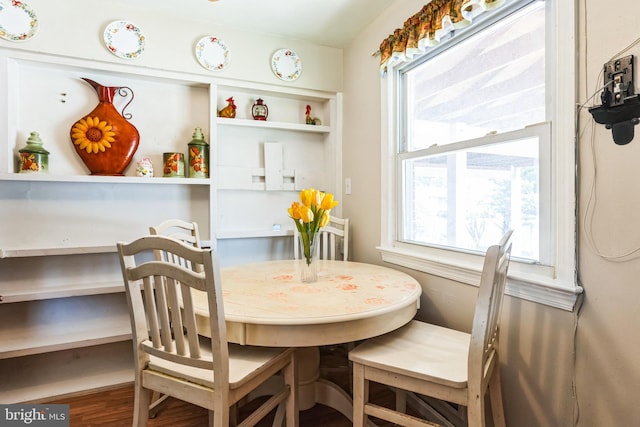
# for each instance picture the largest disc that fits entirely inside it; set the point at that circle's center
(31, 252)
(69, 345)
(250, 234)
(300, 127)
(63, 292)
(94, 179)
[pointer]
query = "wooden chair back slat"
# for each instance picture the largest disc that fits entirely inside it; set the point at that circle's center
(189, 323)
(172, 310)
(333, 239)
(151, 312)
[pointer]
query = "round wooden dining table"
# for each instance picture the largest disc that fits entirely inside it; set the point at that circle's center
(266, 304)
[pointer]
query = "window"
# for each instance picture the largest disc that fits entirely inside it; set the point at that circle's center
(474, 148)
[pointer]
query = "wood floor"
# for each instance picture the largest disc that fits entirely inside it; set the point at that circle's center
(115, 407)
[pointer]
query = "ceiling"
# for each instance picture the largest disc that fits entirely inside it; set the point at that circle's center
(331, 23)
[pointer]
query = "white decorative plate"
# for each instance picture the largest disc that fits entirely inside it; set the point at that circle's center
(17, 22)
(286, 65)
(212, 53)
(124, 39)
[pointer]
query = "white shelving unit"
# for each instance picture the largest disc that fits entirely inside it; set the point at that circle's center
(64, 325)
(267, 162)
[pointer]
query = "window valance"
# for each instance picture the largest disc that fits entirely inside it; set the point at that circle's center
(427, 27)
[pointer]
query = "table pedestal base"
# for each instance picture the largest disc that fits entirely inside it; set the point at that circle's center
(333, 396)
(311, 388)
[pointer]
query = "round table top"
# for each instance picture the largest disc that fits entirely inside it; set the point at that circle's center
(272, 293)
(267, 304)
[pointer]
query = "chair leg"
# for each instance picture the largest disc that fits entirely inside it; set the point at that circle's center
(476, 411)
(142, 399)
(221, 417)
(360, 395)
(291, 403)
(495, 394)
(234, 414)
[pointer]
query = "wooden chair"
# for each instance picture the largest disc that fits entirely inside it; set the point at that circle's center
(437, 362)
(334, 239)
(184, 231)
(170, 356)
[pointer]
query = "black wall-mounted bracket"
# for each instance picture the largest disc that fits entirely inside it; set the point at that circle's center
(620, 108)
(620, 119)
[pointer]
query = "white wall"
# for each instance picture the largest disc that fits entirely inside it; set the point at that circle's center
(537, 341)
(74, 28)
(608, 368)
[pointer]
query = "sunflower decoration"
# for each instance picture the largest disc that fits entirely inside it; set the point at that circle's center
(92, 134)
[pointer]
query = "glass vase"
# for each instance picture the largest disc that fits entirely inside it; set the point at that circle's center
(309, 259)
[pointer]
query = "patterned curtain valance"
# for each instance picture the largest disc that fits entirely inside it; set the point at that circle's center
(425, 29)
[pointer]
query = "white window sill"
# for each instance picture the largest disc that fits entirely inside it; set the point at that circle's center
(522, 284)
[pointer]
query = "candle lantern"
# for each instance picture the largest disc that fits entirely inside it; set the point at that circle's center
(259, 111)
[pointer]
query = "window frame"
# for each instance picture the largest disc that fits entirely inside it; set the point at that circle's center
(555, 285)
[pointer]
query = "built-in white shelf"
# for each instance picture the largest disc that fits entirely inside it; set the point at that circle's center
(248, 234)
(265, 124)
(99, 179)
(52, 330)
(77, 371)
(73, 250)
(84, 336)
(18, 292)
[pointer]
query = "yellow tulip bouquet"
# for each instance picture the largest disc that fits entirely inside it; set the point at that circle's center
(311, 214)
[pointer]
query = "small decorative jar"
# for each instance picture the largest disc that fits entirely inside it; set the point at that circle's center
(259, 111)
(145, 168)
(173, 165)
(33, 157)
(198, 156)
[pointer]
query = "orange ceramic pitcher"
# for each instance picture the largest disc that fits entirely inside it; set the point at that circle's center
(104, 139)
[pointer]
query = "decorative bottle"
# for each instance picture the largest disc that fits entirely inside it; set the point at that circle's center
(198, 155)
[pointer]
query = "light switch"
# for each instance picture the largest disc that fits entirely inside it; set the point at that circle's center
(347, 186)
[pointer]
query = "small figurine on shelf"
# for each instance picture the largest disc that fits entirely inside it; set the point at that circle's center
(229, 111)
(145, 168)
(309, 119)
